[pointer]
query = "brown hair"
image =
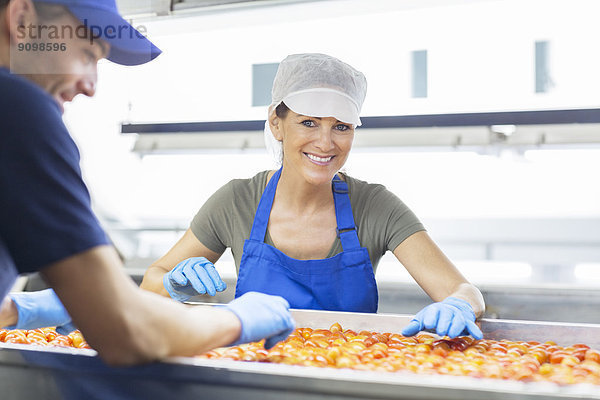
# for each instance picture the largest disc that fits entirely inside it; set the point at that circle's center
(49, 11)
(45, 11)
(282, 110)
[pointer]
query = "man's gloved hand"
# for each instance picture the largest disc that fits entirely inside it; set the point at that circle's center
(41, 309)
(262, 316)
(66, 328)
(451, 317)
(193, 276)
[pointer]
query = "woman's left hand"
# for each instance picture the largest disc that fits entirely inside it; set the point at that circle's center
(451, 317)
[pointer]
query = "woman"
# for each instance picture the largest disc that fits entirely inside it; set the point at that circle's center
(308, 232)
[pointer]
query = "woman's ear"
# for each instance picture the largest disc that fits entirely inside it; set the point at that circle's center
(275, 123)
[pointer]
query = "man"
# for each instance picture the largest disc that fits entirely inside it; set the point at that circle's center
(49, 50)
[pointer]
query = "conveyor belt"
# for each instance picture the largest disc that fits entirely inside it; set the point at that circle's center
(62, 373)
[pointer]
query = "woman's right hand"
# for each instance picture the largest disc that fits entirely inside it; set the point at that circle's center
(191, 277)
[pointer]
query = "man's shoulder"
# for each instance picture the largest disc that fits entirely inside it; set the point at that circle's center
(30, 117)
(19, 95)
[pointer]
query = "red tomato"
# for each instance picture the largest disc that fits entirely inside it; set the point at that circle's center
(61, 341)
(16, 336)
(306, 332)
(16, 340)
(335, 328)
(592, 355)
(569, 361)
(370, 341)
(581, 346)
(539, 355)
(557, 356)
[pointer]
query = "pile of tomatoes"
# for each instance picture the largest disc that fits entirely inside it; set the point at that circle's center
(390, 352)
(43, 337)
(425, 354)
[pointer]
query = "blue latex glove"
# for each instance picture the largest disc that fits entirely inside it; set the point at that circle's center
(40, 310)
(193, 276)
(262, 316)
(451, 317)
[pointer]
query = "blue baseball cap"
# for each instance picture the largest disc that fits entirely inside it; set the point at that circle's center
(102, 18)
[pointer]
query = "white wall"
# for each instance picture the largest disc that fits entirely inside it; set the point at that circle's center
(481, 58)
(481, 55)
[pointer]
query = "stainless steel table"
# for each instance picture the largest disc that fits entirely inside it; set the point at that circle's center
(28, 372)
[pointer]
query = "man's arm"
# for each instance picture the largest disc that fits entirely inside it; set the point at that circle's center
(127, 325)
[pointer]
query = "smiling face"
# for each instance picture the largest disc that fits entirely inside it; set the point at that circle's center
(63, 73)
(314, 148)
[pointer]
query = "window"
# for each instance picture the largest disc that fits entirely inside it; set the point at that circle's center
(542, 67)
(262, 82)
(419, 73)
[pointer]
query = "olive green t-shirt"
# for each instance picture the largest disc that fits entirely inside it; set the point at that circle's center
(383, 221)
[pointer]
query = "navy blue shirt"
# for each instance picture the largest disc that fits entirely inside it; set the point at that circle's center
(45, 213)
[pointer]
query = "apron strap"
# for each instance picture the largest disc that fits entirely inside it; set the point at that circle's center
(343, 213)
(261, 219)
(346, 229)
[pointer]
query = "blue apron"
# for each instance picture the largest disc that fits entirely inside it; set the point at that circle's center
(344, 282)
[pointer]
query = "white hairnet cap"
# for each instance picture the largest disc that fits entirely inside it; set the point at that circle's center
(316, 85)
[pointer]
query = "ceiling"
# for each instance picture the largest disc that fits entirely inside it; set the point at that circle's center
(150, 8)
(133, 8)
